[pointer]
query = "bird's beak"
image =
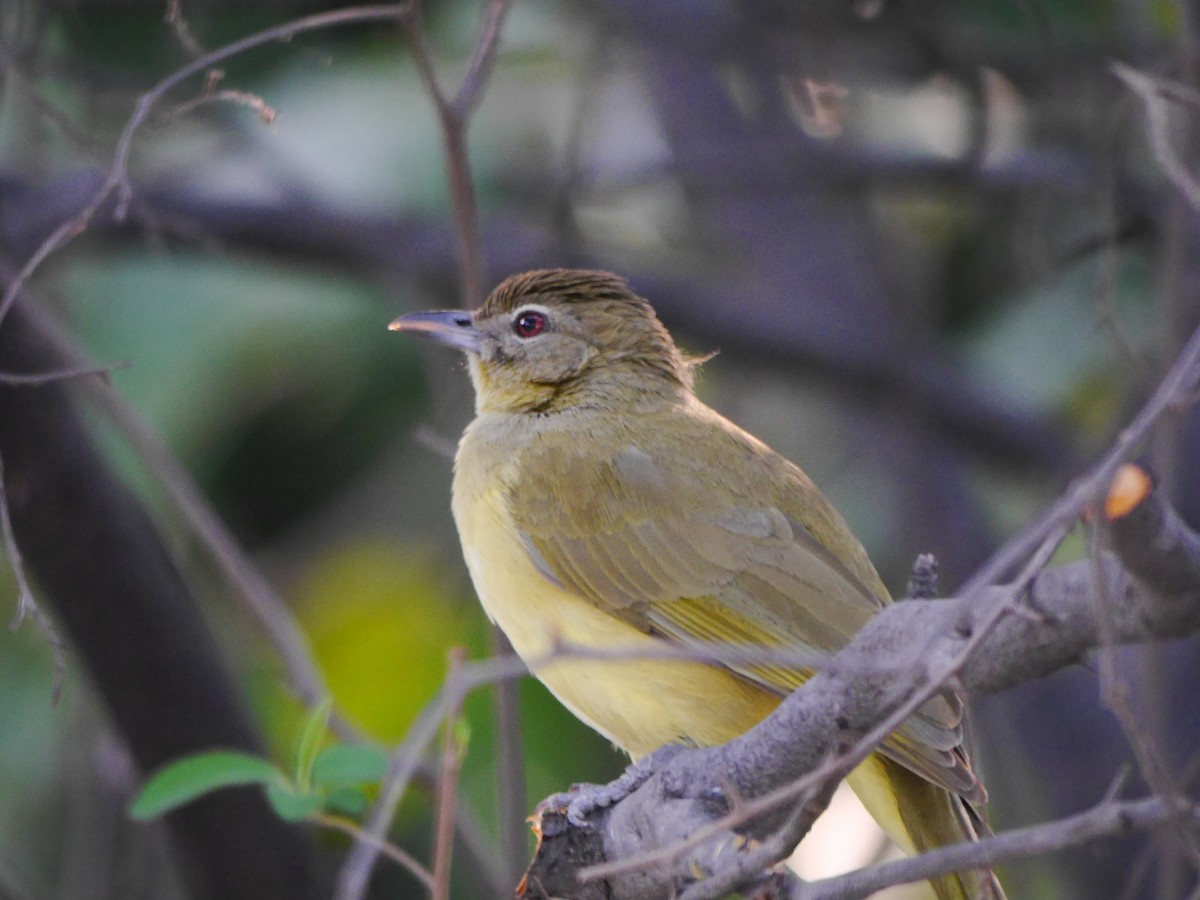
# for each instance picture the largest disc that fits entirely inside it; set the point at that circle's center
(452, 327)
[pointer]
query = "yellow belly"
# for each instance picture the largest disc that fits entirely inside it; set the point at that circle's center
(638, 704)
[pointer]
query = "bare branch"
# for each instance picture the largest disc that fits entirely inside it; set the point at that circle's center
(183, 32)
(387, 848)
(192, 508)
(356, 869)
(923, 676)
(406, 759)
(454, 117)
(26, 604)
(36, 379)
(1107, 819)
(511, 806)
(1176, 386)
(452, 755)
(1151, 92)
(265, 111)
(480, 71)
(1115, 695)
(116, 180)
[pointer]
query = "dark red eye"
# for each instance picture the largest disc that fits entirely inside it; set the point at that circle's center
(529, 323)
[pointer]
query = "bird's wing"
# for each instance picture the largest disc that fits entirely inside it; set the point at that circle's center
(666, 543)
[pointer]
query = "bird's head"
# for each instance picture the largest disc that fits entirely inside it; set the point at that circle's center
(554, 339)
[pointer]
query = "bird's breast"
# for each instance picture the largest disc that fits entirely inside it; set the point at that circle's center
(639, 703)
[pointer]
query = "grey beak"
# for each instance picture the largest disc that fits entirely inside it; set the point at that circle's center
(452, 327)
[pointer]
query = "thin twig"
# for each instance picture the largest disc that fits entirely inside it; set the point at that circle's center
(452, 757)
(116, 181)
(768, 852)
(1115, 695)
(183, 33)
(1176, 384)
(467, 242)
(1107, 819)
(1182, 93)
(1150, 91)
(266, 113)
(511, 802)
(387, 848)
(26, 604)
(406, 757)
(480, 71)
(454, 117)
(435, 442)
(356, 869)
(189, 504)
(37, 379)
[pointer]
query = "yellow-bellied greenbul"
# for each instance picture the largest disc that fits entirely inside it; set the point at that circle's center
(600, 503)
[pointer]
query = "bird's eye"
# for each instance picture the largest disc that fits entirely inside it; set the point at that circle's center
(529, 323)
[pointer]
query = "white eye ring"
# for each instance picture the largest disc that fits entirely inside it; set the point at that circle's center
(530, 322)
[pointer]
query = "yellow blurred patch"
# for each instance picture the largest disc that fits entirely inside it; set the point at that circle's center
(382, 618)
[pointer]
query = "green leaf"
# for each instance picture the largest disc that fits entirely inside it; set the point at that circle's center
(291, 803)
(462, 734)
(344, 764)
(349, 801)
(310, 742)
(186, 779)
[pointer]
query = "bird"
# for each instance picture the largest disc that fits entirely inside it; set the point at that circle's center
(600, 503)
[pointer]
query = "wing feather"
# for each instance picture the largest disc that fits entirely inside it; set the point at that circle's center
(664, 543)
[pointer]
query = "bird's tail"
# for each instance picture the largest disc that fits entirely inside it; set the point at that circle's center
(918, 815)
(934, 817)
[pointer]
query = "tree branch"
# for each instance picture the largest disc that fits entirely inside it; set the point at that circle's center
(1106, 819)
(454, 117)
(116, 180)
(131, 621)
(199, 519)
(27, 604)
(1152, 93)
(678, 825)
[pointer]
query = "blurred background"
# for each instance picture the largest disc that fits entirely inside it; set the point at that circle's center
(929, 241)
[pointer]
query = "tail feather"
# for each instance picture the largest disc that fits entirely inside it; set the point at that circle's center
(934, 817)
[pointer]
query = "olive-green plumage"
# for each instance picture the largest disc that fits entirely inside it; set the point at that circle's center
(600, 502)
